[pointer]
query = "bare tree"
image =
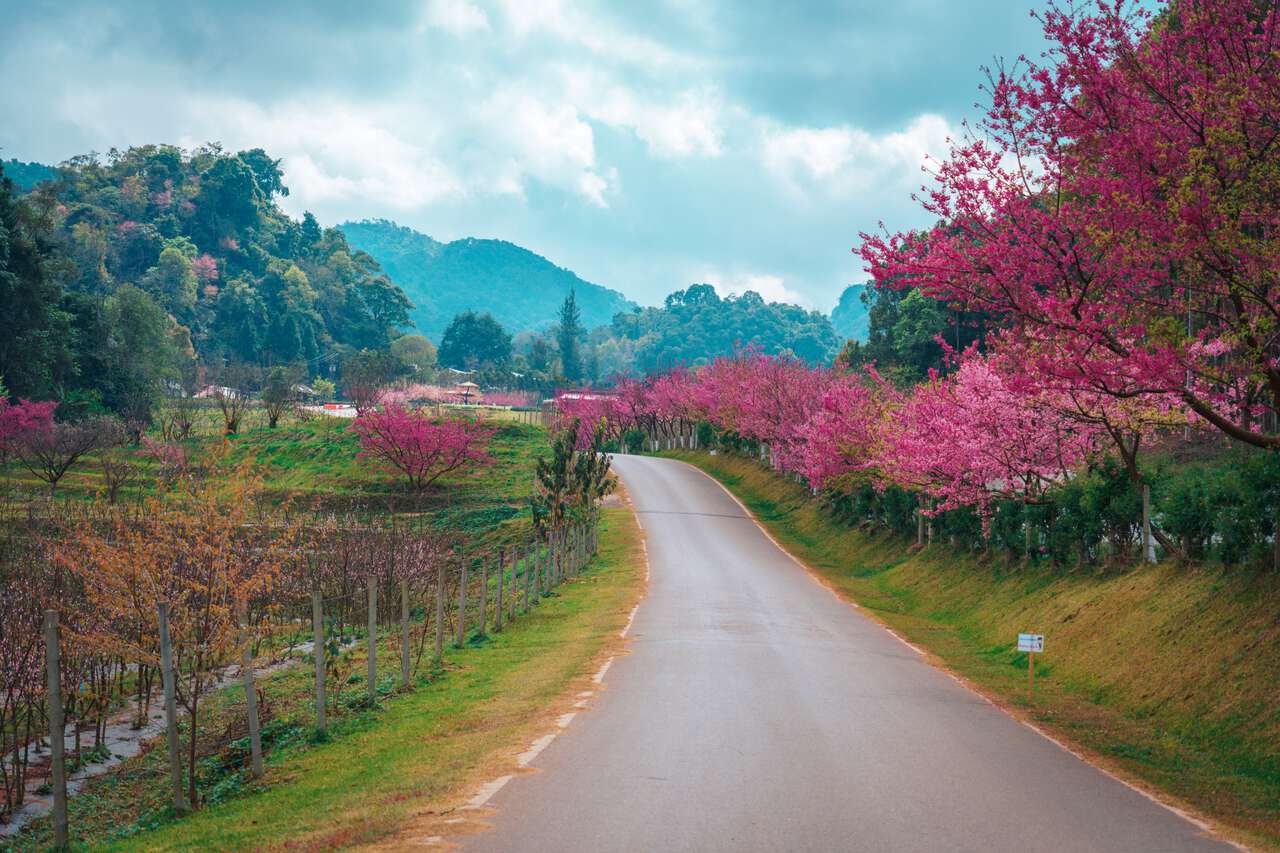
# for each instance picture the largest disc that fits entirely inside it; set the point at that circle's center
(178, 416)
(118, 470)
(365, 374)
(50, 453)
(233, 391)
(280, 393)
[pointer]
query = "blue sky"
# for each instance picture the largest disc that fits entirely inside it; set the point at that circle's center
(646, 146)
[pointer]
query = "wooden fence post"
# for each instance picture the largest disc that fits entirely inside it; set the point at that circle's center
(1148, 545)
(250, 692)
(404, 633)
(530, 568)
(528, 564)
(484, 597)
(57, 733)
(317, 652)
(462, 606)
(548, 562)
(533, 571)
(919, 529)
(497, 601)
(372, 584)
(440, 572)
(171, 711)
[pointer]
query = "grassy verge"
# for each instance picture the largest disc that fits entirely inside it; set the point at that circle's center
(313, 462)
(1168, 675)
(399, 768)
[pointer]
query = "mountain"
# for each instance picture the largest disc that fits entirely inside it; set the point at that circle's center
(851, 317)
(521, 289)
(26, 175)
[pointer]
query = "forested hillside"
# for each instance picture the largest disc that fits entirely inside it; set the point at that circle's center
(522, 290)
(26, 175)
(851, 318)
(156, 265)
(696, 326)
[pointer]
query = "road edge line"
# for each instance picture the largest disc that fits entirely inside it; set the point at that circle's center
(1203, 823)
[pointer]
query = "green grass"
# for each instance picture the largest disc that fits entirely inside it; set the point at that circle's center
(313, 464)
(385, 771)
(306, 456)
(1168, 674)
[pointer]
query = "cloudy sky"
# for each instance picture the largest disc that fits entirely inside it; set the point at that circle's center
(644, 145)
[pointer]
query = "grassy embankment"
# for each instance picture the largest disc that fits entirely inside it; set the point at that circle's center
(1168, 675)
(400, 770)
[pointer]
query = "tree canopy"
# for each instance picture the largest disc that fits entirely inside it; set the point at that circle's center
(475, 342)
(192, 246)
(695, 326)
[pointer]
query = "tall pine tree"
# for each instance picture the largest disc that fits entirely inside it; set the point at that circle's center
(568, 337)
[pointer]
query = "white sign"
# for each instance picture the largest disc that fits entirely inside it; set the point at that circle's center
(1031, 643)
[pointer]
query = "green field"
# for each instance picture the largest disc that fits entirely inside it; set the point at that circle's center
(1168, 675)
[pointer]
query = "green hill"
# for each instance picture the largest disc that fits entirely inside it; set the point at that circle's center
(852, 316)
(521, 289)
(26, 175)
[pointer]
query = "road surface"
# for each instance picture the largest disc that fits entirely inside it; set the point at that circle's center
(756, 712)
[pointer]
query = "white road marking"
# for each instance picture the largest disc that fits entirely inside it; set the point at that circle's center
(599, 676)
(487, 791)
(1189, 818)
(532, 752)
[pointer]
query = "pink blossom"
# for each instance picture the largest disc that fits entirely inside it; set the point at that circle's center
(419, 448)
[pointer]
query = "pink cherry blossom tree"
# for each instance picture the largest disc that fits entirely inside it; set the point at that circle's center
(1119, 211)
(419, 448)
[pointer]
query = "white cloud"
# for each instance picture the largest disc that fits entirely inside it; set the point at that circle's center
(772, 288)
(547, 141)
(672, 125)
(457, 17)
(335, 152)
(844, 160)
(597, 35)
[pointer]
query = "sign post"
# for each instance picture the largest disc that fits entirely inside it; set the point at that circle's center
(1032, 644)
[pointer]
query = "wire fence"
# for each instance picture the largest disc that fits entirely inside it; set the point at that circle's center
(347, 587)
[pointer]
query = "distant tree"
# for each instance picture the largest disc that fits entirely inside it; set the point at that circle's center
(366, 373)
(279, 393)
(541, 354)
(904, 327)
(145, 351)
(324, 388)
(233, 391)
(416, 352)
(475, 342)
(266, 172)
(386, 303)
(311, 231)
(118, 471)
(228, 202)
(421, 449)
(35, 351)
(568, 336)
(695, 326)
(173, 281)
(177, 415)
(51, 452)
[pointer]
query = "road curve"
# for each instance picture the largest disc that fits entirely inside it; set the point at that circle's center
(756, 712)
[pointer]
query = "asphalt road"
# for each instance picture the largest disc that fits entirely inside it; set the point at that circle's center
(756, 712)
